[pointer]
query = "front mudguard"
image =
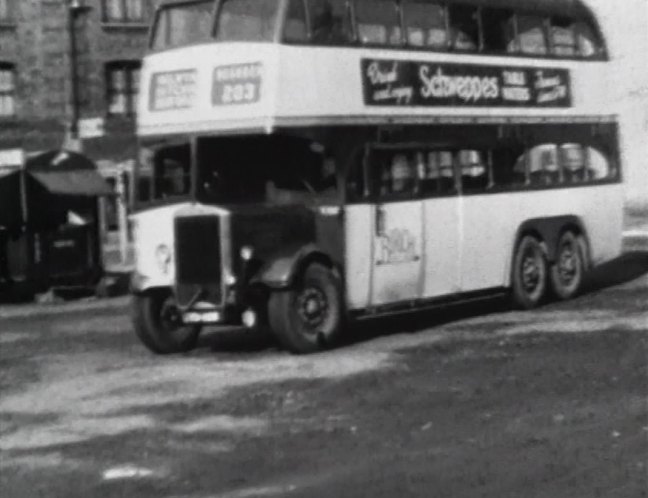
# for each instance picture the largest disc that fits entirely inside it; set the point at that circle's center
(281, 270)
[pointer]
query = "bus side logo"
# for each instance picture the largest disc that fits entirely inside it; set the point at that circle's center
(237, 84)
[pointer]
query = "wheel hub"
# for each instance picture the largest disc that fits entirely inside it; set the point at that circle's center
(170, 316)
(530, 273)
(567, 265)
(312, 306)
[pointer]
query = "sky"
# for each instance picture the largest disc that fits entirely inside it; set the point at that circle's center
(625, 26)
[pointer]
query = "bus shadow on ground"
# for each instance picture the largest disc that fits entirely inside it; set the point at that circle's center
(626, 268)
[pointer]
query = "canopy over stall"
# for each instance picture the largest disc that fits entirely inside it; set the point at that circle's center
(52, 180)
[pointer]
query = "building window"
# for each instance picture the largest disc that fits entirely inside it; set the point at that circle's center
(7, 90)
(123, 10)
(5, 11)
(122, 84)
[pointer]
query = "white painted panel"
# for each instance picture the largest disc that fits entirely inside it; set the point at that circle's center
(307, 84)
(490, 224)
(442, 246)
(397, 253)
(358, 225)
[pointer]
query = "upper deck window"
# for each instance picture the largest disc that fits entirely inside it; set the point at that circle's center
(563, 37)
(378, 22)
(588, 43)
(247, 20)
(183, 24)
(425, 24)
(464, 27)
(330, 21)
(296, 26)
(498, 27)
(531, 36)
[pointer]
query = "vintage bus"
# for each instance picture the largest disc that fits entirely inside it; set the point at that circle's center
(307, 163)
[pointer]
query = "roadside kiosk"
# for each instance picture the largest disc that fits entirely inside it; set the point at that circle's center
(49, 223)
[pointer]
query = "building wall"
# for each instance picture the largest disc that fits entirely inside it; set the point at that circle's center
(36, 41)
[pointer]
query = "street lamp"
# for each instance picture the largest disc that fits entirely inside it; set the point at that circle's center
(75, 9)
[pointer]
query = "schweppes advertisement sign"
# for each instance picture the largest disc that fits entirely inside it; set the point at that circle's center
(428, 84)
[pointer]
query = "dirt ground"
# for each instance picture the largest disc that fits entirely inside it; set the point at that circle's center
(470, 401)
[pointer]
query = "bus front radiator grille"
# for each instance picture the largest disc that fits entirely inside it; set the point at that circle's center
(198, 259)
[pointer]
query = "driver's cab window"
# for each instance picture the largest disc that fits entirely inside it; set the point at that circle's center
(170, 168)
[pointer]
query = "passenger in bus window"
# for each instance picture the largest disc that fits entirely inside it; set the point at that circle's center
(378, 22)
(446, 168)
(473, 170)
(402, 175)
(531, 37)
(295, 26)
(174, 181)
(430, 180)
(521, 175)
(544, 168)
(586, 40)
(329, 21)
(598, 167)
(425, 24)
(508, 168)
(572, 159)
(328, 182)
(563, 38)
(464, 27)
(497, 28)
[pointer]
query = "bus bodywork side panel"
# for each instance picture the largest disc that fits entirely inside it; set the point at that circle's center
(491, 223)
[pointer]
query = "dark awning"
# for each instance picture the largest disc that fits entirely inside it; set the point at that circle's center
(80, 182)
(64, 172)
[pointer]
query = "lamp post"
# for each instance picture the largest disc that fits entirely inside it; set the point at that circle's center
(75, 8)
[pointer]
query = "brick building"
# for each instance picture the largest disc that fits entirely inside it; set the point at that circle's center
(35, 73)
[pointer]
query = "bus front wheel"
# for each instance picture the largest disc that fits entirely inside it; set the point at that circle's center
(529, 278)
(307, 317)
(157, 323)
(567, 272)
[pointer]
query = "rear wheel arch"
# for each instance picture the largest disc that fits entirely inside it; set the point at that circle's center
(549, 230)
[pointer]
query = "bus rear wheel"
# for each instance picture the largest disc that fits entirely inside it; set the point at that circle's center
(529, 277)
(308, 317)
(568, 270)
(158, 325)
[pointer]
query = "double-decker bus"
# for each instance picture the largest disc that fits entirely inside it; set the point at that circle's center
(306, 163)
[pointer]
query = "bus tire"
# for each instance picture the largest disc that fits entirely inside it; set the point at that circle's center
(568, 270)
(307, 317)
(529, 273)
(157, 324)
